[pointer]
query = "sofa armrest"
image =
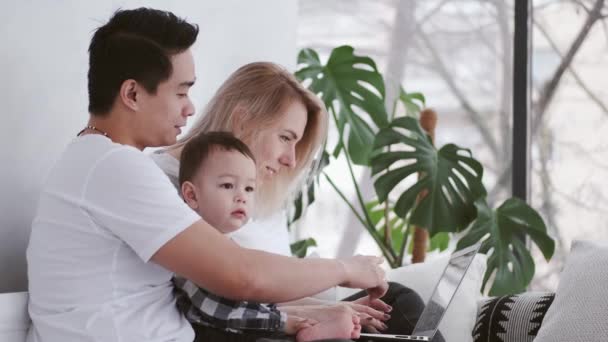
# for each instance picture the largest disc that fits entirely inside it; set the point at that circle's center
(14, 318)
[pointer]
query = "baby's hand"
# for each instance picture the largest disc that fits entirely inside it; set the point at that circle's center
(295, 324)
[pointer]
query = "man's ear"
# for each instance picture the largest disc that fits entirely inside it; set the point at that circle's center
(189, 195)
(128, 94)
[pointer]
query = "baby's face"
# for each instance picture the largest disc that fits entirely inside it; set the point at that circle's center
(225, 189)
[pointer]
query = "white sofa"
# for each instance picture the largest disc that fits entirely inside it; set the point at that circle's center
(14, 319)
(458, 323)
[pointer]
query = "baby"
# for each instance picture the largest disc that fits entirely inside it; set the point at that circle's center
(217, 177)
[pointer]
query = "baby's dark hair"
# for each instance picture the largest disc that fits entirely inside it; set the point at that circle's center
(197, 150)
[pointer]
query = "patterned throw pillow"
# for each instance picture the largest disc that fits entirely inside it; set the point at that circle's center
(514, 318)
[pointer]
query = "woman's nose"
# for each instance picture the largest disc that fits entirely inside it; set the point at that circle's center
(288, 159)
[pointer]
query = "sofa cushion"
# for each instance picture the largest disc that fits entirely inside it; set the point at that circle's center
(515, 318)
(580, 309)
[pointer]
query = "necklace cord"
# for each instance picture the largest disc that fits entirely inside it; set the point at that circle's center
(93, 128)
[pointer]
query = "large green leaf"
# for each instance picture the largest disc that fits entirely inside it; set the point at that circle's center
(451, 177)
(413, 102)
(302, 201)
(377, 215)
(352, 82)
(503, 232)
(299, 248)
(439, 242)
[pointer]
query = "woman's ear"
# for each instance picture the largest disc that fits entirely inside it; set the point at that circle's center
(189, 195)
(128, 94)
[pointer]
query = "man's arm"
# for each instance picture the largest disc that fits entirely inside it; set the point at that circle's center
(202, 254)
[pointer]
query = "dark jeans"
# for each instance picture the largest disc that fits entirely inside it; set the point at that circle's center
(206, 334)
(407, 307)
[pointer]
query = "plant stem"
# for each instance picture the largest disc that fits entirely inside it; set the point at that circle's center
(344, 199)
(352, 174)
(387, 224)
(387, 208)
(388, 252)
(357, 190)
(405, 238)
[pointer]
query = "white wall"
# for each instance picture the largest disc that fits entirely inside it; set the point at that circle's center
(43, 95)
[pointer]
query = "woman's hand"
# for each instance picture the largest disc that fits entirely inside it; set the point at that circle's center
(364, 272)
(377, 304)
(372, 313)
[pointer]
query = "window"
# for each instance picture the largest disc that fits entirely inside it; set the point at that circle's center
(457, 53)
(569, 122)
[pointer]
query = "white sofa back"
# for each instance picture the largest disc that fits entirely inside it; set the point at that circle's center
(14, 319)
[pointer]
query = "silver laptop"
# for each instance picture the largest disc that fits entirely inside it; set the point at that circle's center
(444, 292)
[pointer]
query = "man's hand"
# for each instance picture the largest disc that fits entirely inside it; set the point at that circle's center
(364, 272)
(378, 291)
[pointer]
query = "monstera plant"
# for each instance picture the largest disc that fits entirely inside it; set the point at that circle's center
(444, 194)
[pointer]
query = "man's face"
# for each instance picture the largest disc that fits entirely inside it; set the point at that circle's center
(225, 189)
(164, 114)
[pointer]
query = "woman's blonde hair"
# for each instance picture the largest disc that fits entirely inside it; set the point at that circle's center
(254, 97)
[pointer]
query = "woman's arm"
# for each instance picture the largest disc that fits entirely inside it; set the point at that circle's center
(203, 255)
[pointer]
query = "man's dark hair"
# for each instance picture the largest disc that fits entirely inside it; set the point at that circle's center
(197, 150)
(135, 44)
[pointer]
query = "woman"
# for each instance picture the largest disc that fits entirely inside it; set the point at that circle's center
(284, 125)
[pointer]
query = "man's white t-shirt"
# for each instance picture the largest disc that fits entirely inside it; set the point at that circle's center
(104, 211)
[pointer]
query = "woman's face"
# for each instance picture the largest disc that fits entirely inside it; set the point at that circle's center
(275, 146)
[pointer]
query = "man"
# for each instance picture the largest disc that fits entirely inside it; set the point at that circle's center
(111, 230)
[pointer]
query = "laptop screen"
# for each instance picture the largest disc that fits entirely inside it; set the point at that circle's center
(444, 291)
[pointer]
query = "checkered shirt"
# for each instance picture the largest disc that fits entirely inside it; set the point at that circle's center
(204, 308)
